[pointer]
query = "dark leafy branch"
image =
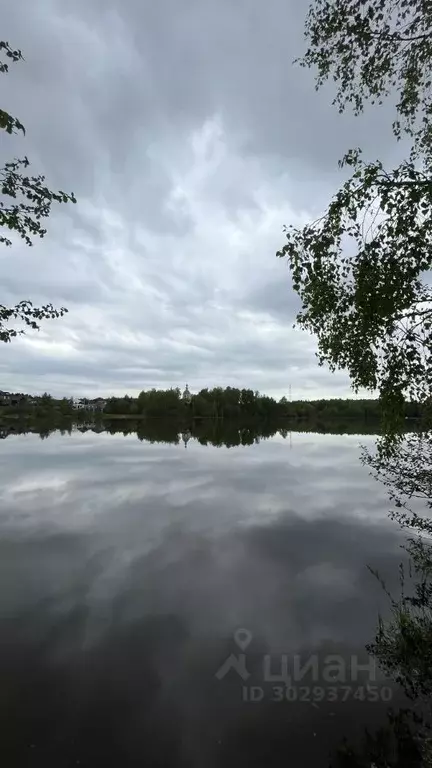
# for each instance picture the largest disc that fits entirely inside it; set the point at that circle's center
(374, 48)
(24, 217)
(24, 202)
(7, 122)
(362, 287)
(28, 315)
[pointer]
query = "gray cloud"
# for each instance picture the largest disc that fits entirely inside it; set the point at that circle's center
(189, 139)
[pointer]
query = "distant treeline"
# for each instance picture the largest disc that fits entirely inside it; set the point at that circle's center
(217, 403)
(239, 404)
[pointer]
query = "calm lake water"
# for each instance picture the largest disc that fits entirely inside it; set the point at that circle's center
(148, 594)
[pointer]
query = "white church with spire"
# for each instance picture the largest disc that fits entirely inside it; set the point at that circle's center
(186, 396)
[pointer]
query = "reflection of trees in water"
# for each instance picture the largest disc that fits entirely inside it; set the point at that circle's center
(218, 432)
(392, 746)
(403, 645)
(403, 642)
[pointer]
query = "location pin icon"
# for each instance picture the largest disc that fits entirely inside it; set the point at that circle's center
(242, 638)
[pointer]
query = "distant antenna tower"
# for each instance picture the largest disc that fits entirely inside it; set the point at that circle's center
(290, 430)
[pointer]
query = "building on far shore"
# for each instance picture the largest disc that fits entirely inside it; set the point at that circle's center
(7, 398)
(83, 404)
(187, 397)
(99, 404)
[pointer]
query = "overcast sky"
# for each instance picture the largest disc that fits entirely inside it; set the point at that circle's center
(189, 139)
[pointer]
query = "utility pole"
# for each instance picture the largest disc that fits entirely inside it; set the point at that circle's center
(290, 430)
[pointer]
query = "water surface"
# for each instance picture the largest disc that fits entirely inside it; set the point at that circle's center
(128, 569)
